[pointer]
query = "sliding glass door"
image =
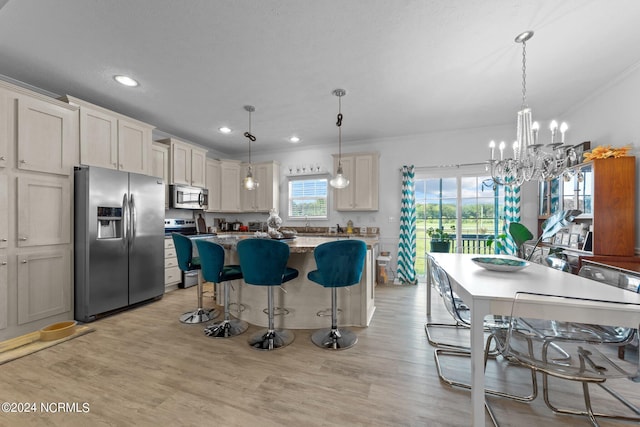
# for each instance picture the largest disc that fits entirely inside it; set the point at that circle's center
(465, 205)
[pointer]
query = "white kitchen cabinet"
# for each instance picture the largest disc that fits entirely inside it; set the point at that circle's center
(111, 140)
(4, 211)
(38, 226)
(362, 170)
(267, 195)
(172, 273)
(43, 284)
(4, 130)
(186, 163)
(159, 167)
(45, 132)
(212, 181)
(36, 233)
(4, 292)
(230, 186)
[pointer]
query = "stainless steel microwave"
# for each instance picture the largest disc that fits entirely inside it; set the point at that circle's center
(183, 197)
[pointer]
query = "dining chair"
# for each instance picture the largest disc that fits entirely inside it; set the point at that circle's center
(461, 315)
(534, 343)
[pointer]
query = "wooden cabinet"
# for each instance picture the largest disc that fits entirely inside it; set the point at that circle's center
(111, 140)
(4, 211)
(38, 226)
(4, 292)
(212, 181)
(186, 163)
(39, 140)
(172, 274)
(159, 167)
(45, 136)
(230, 186)
(604, 191)
(43, 284)
(362, 170)
(267, 195)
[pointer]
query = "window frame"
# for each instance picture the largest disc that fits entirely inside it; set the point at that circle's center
(308, 177)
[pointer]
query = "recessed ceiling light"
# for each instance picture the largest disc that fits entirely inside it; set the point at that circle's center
(224, 129)
(294, 139)
(126, 81)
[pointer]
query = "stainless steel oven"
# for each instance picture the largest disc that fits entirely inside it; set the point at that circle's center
(183, 197)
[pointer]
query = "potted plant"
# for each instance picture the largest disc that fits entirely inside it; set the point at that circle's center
(440, 239)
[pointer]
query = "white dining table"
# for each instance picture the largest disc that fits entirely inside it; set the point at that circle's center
(492, 292)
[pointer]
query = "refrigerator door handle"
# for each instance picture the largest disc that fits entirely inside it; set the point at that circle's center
(125, 220)
(133, 220)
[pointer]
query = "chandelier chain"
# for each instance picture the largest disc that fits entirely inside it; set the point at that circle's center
(524, 74)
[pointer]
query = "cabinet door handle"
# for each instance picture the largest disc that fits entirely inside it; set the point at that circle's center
(23, 239)
(2, 158)
(121, 167)
(3, 240)
(3, 263)
(24, 261)
(23, 162)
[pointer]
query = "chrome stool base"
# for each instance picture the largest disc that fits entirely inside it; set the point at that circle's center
(271, 339)
(334, 339)
(201, 315)
(226, 328)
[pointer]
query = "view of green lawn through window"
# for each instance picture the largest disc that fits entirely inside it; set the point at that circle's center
(468, 207)
(308, 198)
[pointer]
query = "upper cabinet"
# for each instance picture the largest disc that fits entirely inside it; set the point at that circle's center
(230, 186)
(212, 178)
(111, 140)
(186, 163)
(4, 130)
(267, 195)
(45, 136)
(159, 167)
(362, 170)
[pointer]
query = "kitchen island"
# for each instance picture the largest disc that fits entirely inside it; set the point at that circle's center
(301, 298)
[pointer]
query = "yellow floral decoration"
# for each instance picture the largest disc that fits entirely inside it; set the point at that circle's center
(605, 152)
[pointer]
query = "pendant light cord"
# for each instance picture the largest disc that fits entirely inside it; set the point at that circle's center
(249, 135)
(339, 124)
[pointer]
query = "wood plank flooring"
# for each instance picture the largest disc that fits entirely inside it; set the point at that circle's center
(144, 368)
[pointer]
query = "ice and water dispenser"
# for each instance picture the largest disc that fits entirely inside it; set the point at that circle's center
(109, 222)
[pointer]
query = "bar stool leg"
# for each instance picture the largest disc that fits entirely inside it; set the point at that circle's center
(334, 339)
(228, 327)
(271, 339)
(201, 315)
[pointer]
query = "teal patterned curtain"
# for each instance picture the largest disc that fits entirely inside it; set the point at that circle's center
(511, 214)
(407, 243)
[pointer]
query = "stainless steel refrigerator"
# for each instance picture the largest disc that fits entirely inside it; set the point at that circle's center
(119, 240)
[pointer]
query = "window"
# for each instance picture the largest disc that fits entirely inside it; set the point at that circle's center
(308, 198)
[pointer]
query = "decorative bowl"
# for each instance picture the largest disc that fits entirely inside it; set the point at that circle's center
(500, 264)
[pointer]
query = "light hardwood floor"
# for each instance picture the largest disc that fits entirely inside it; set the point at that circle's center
(143, 368)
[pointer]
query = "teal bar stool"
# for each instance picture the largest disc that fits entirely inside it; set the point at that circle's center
(340, 263)
(186, 262)
(214, 271)
(264, 263)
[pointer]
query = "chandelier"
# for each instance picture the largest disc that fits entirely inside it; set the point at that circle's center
(339, 181)
(250, 183)
(531, 161)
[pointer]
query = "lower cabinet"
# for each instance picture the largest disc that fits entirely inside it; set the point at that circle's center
(4, 292)
(172, 274)
(43, 284)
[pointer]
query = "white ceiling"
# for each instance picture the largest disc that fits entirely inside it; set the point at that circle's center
(409, 66)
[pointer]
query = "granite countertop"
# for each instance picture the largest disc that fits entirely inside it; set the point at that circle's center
(299, 244)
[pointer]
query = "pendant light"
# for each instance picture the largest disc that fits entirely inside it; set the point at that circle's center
(249, 182)
(339, 181)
